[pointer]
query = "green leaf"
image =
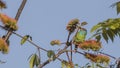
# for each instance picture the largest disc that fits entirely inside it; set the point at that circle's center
(115, 32)
(64, 64)
(89, 66)
(84, 23)
(105, 36)
(110, 34)
(32, 61)
(98, 65)
(95, 27)
(24, 39)
(76, 66)
(98, 37)
(37, 60)
(50, 54)
(118, 7)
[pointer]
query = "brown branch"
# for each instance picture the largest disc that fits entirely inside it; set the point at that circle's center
(68, 44)
(9, 33)
(49, 60)
(71, 53)
(108, 55)
(37, 46)
(39, 54)
(20, 9)
(68, 56)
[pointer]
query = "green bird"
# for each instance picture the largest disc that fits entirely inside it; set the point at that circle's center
(79, 37)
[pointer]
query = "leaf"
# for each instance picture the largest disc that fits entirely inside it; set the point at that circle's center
(32, 60)
(63, 64)
(66, 64)
(115, 32)
(89, 66)
(98, 37)
(50, 54)
(76, 66)
(24, 39)
(95, 27)
(118, 7)
(84, 23)
(110, 34)
(105, 36)
(98, 65)
(37, 60)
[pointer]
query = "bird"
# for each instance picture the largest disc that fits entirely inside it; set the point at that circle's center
(79, 37)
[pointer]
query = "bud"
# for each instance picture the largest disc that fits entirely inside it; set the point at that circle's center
(72, 24)
(55, 42)
(3, 46)
(2, 5)
(8, 22)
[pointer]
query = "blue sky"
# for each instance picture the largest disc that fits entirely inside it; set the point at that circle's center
(46, 20)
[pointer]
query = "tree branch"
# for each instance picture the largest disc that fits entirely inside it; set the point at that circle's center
(9, 33)
(20, 10)
(37, 46)
(49, 60)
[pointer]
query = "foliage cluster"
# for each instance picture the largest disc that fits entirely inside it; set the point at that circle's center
(107, 29)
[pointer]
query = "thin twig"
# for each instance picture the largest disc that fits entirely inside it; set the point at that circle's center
(108, 55)
(71, 53)
(37, 46)
(39, 54)
(68, 44)
(49, 60)
(31, 42)
(68, 56)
